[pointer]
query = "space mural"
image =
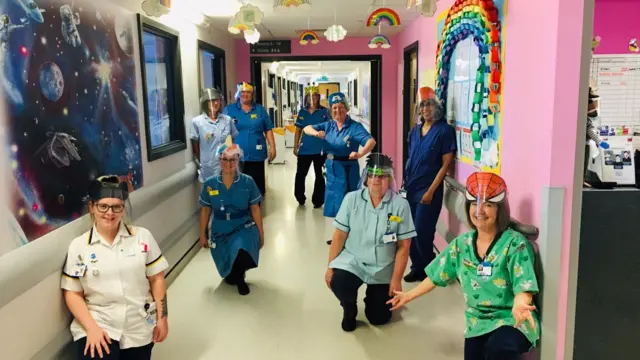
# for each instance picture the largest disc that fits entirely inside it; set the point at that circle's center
(69, 87)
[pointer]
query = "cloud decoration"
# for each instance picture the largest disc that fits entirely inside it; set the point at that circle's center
(427, 8)
(379, 41)
(335, 33)
(249, 15)
(154, 8)
(252, 37)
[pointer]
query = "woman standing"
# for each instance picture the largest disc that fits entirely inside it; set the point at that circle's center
(495, 267)
(231, 202)
(254, 131)
(342, 140)
(432, 144)
(209, 130)
(309, 150)
(370, 245)
(113, 281)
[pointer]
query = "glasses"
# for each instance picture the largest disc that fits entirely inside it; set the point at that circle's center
(103, 208)
(229, 161)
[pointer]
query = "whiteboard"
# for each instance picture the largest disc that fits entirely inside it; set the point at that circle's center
(617, 78)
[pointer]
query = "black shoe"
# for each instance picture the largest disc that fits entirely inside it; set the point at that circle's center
(349, 320)
(230, 280)
(301, 203)
(317, 206)
(415, 276)
(243, 288)
(329, 242)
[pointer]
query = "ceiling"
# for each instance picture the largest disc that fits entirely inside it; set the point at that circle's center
(351, 14)
(319, 68)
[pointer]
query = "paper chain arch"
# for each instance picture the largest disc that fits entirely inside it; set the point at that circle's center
(477, 19)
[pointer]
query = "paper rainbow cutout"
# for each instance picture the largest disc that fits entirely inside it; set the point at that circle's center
(309, 36)
(379, 41)
(166, 3)
(478, 19)
(383, 16)
(292, 3)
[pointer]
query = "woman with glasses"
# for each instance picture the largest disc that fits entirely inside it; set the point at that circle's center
(231, 207)
(113, 281)
(370, 245)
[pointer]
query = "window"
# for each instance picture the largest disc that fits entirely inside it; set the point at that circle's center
(162, 89)
(212, 68)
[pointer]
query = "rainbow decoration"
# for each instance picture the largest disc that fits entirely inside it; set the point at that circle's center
(383, 16)
(309, 36)
(379, 41)
(477, 19)
(166, 3)
(291, 3)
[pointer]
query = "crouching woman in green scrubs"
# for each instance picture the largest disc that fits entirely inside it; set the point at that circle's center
(370, 245)
(495, 267)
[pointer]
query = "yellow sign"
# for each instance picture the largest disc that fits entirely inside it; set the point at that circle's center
(254, 116)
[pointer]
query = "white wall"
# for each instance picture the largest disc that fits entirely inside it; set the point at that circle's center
(36, 318)
(363, 74)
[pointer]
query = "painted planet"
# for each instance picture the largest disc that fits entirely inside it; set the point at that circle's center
(51, 81)
(123, 28)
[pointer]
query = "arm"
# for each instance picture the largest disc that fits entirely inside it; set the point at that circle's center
(447, 159)
(159, 293)
(205, 215)
(367, 147)
(309, 130)
(195, 140)
(78, 306)
(447, 149)
(337, 243)
(402, 258)
(270, 139)
(256, 214)
(155, 267)
(296, 141)
(195, 145)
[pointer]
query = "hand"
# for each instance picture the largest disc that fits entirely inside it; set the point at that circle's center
(427, 197)
(320, 134)
(261, 242)
(522, 311)
(272, 153)
(97, 339)
(328, 276)
(355, 156)
(295, 151)
(161, 330)
(399, 300)
(394, 287)
(604, 145)
(204, 242)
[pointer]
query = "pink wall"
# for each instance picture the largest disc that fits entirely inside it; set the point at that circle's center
(349, 46)
(616, 22)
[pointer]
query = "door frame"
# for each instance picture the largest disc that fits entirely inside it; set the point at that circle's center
(406, 96)
(330, 83)
(375, 88)
(220, 61)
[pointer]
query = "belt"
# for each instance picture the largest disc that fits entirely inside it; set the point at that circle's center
(338, 158)
(218, 215)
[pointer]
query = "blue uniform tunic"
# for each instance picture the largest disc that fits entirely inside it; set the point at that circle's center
(311, 145)
(211, 134)
(366, 254)
(232, 227)
(251, 128)
(343, 175)
(425, 160)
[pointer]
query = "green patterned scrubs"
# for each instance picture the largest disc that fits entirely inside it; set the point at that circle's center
(490, 298)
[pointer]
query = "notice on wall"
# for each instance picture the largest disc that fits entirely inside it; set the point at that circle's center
(617, 162)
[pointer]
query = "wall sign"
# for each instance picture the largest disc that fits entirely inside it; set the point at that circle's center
(271, 47)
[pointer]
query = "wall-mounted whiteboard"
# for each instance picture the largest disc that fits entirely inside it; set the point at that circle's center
(617, 78)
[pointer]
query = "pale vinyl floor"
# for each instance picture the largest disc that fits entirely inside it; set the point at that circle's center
(290, 313)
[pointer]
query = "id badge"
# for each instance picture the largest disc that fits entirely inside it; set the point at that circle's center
(212, 244)
(389, 238)
(403, 194)
(484, 269)
(80, 270)
(258, 147)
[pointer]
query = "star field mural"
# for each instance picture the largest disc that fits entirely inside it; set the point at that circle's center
(69, 86)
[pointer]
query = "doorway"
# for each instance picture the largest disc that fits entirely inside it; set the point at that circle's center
(409, 89)
(327, 89)
(373, 89)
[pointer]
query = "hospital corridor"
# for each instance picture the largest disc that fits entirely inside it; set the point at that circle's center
(290, 312)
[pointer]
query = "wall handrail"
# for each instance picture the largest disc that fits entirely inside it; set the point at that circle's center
(530, 231)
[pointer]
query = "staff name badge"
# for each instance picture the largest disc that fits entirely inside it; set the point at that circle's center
(258, 147)
(389, 238)
(80, 270)
(485, 268)
(254, 116)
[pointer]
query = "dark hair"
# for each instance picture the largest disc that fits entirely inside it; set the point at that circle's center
(503, 215)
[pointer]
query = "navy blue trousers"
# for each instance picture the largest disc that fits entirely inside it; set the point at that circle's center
(115, 353)
(504, 343)
(425, 218)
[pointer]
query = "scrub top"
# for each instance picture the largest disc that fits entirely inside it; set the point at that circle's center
(311, 145)
(370, 249)
(425, 155)
(251, 128)
(211, 134)
(232, 226)
(341, 143)
(114, 280)
(489, 297)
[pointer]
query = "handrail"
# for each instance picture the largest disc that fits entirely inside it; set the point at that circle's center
(527, 230)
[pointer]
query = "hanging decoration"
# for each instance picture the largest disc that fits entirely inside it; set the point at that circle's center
(252, 37)
(595, 42)
(279, 5)
(427, 8)
(480, 131)
(309, 36)
(245, 19)
(335, 32)
(633, 45)
(156, 8)
(379, 40)
(383, 16)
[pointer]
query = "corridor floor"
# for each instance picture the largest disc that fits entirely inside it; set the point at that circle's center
(290, 313)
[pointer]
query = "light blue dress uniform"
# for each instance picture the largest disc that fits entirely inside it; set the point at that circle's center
(343, 175)
(211, 134)
(232, 226)
(370, 249)
(251, 128)
(311, 145)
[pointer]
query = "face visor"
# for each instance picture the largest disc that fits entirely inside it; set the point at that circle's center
(427, 105)
(209, 98)
(337, 98)
(230, 156)
(309, 92)
(109, 187)
(378, 172)
(484, 187)
(246, 88)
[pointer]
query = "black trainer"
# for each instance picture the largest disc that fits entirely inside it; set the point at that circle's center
(415, 276)
(243, 288)
(349, 319)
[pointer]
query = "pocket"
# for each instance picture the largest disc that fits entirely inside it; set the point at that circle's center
(386, 253)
